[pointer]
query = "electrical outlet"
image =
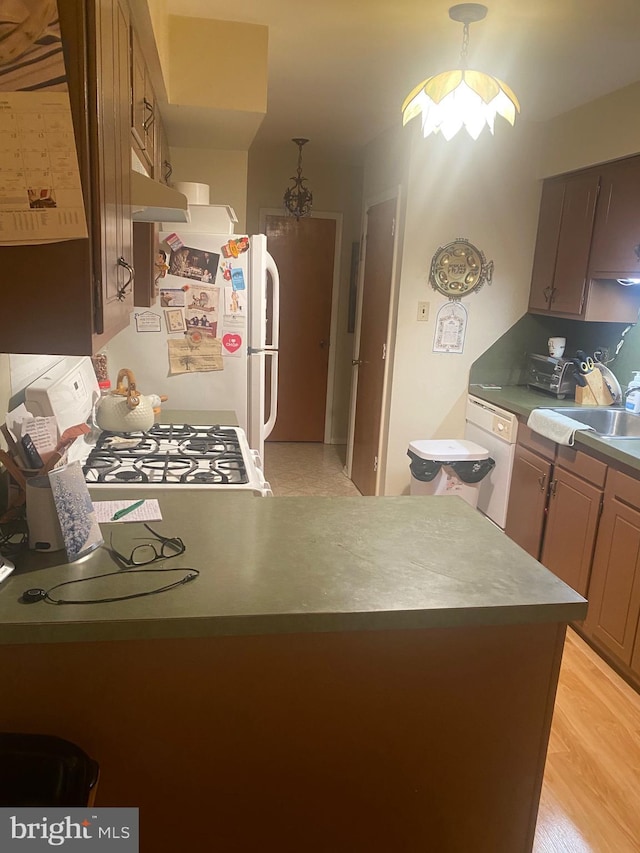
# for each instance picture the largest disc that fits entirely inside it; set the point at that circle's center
(423, 311)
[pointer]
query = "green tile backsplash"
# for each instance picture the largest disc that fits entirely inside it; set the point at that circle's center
(504, 363)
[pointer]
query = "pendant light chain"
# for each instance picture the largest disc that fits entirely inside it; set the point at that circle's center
(465, 45)
(299, 162)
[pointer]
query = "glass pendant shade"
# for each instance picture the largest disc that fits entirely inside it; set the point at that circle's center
(460, 98)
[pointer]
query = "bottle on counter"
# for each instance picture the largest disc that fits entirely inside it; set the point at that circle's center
(632, 402)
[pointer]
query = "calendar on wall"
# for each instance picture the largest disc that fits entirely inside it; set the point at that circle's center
(40, 189)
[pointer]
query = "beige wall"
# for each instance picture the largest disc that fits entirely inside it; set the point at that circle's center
(604, 129)
(487, 192)
(218, 64)
(336, 186)
(160, 24)
(224, 171)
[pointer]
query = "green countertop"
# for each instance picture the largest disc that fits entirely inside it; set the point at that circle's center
(283, 565)
(521, 401)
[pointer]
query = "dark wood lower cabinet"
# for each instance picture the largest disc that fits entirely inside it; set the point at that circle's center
(614, 592)
(581, 518)
(528, 500)
(571, 529)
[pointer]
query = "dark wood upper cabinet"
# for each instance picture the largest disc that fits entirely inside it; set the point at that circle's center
(588, 234)
(544, 260)
(73, 295)
(576, 228)
(145, 251)
(616, 238)
(112, 216)
(144, 111)
(561, 260)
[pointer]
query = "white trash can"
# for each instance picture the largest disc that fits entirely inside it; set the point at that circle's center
(448, 467)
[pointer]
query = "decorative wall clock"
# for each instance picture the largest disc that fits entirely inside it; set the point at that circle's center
(459, 268)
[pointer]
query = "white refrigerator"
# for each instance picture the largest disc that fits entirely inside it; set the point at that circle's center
(231, 295)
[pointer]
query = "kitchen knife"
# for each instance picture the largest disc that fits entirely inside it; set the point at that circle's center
(587, 363)
(579, 373)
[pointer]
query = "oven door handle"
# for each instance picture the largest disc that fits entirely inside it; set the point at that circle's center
(273, 396)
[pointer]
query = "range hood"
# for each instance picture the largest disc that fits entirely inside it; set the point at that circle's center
(152, 201)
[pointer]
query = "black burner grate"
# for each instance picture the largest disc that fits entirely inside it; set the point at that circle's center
(168, 454)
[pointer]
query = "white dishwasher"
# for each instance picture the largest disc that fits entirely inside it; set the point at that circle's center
(496, 430)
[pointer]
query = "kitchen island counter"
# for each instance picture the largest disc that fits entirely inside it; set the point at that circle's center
(289, 564)
(346, 674)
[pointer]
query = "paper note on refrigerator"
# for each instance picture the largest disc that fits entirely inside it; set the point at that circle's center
(189, 356)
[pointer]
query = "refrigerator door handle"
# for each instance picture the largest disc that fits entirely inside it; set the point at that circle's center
(273, 397)
(272, 269)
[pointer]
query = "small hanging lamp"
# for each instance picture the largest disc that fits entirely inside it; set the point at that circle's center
(454, 99)
(298, 198)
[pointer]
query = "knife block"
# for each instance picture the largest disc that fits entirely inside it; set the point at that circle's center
(595, 393)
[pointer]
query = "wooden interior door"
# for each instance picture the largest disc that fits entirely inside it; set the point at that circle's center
(376, 296)
(304, 252)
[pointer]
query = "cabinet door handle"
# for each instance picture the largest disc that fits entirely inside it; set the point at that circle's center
(543, 482)
(168, 170)
(122, 291)
(151, 117)
(636, 250)
(547, 294)
(553, 485)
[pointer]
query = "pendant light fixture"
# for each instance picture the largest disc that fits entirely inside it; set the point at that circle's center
(454, 99)
(298, 198)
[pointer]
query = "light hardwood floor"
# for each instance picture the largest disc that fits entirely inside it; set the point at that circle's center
(591, 794)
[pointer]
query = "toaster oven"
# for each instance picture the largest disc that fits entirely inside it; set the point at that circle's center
(552, 375)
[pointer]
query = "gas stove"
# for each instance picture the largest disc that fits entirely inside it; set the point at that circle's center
(166, 456)
(176, 455)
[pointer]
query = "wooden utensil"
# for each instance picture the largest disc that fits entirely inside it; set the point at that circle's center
(13, 469)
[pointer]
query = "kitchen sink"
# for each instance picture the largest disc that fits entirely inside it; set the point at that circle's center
(610, 422)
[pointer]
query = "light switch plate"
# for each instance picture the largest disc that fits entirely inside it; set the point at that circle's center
(423, 311)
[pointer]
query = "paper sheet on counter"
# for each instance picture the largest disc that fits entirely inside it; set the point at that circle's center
(105, 510)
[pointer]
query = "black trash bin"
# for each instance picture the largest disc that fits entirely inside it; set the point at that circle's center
(43, 770)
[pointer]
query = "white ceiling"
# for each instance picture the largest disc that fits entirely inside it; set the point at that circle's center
(340, 69)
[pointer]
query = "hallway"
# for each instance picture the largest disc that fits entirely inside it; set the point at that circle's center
(304, 469)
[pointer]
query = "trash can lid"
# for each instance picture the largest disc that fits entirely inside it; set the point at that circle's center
(448, 449)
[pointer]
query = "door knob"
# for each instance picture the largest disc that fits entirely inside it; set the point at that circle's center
(323, 344)
(357, 361)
